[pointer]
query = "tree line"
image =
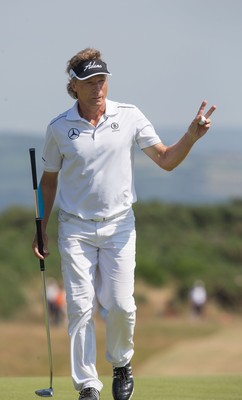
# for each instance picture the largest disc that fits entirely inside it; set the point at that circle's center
(176, 244)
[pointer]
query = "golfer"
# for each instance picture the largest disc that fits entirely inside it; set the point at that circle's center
(89, 152)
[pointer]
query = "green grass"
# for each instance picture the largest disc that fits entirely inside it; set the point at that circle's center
(165, 388)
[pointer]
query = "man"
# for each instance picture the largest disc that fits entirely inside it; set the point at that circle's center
(92, 144)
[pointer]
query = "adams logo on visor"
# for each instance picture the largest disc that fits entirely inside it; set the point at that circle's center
(92, 64)
(86, 69)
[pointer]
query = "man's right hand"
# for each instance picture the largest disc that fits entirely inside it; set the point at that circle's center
(45, 247)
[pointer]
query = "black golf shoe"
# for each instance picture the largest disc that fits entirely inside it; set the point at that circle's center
(89, 394)
(123, 383)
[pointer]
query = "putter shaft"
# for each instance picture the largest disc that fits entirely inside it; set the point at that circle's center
(42, 392)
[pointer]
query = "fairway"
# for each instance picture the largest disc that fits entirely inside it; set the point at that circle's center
(164, 388)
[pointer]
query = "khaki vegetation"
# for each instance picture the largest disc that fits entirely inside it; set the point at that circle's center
(172, 344)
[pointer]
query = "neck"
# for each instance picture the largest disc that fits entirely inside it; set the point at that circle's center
(91, 114)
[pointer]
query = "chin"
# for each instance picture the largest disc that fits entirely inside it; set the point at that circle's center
(98, 102)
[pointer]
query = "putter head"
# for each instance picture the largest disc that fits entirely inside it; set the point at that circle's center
(45, 392)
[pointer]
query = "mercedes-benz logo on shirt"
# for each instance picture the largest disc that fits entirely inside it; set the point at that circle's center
(73, 133)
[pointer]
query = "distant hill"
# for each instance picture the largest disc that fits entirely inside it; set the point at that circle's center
(208, 175)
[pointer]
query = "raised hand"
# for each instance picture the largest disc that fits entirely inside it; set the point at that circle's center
(198, 127)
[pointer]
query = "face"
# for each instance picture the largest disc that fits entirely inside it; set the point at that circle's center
(91, 92)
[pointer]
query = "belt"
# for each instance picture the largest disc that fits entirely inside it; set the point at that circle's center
(102, 219)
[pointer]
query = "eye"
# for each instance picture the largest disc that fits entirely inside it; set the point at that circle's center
(101, 82)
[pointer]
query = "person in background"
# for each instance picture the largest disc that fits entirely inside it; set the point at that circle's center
(89, 153)
(52, 290)
(198, 298)
(56, 302)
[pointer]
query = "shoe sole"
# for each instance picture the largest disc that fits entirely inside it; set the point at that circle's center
(131, 395)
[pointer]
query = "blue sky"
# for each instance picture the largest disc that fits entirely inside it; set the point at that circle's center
(166, 56)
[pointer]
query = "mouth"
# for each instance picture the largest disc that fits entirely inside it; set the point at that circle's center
(97, 99)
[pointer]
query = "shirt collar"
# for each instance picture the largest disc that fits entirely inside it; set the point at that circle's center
(111, 108)
(73, 114)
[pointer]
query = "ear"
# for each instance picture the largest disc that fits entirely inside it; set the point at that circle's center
(73, 84)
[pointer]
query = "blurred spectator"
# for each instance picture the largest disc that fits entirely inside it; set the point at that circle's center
(56, 301)
(198, 298)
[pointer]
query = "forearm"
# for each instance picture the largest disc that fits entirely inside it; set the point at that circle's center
(169, 157)
(176, 153)
(48, 186)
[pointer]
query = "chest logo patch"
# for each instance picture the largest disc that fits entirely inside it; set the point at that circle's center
(73, 134)
(115, 126)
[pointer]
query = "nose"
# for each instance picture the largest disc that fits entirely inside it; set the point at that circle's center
(98, 86)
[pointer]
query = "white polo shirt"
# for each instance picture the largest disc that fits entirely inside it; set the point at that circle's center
(97, 162)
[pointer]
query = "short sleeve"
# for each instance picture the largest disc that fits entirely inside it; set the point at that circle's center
(51, 157)
(146, 135)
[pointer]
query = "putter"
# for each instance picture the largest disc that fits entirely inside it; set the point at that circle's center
(41, 392)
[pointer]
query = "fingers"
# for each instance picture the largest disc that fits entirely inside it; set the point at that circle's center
(203, 118)
(36, 249)
(202, 109)
(210, 111)
(203, 122)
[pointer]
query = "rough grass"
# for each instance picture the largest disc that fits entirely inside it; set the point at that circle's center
(23, 346)
(176, 357)
(173, 388)
(165, 345)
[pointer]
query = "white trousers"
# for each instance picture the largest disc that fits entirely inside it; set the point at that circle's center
(98, 263)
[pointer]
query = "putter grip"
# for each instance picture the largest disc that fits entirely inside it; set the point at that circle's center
(40, 242)
(33, 168)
